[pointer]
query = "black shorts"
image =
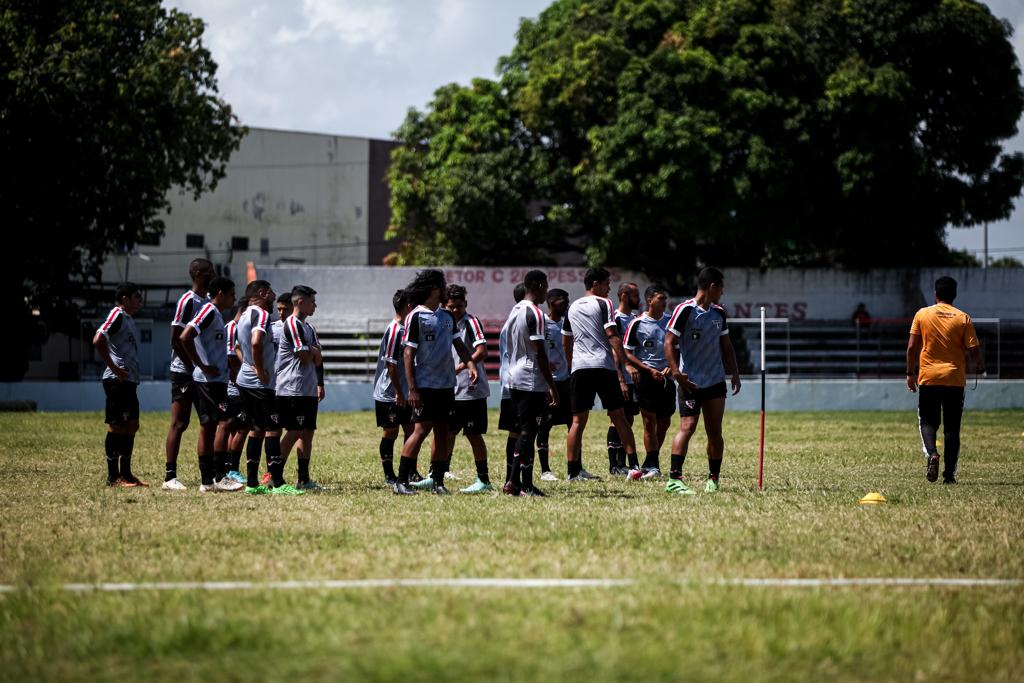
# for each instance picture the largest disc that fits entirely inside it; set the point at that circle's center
(532, 409)
(237, 418)
(211, 402)
(297, 412)
(562, 414)
(690, 402)
(589, 382)
(470, 417)
(122, 402)
(390, 415)
(508, 418)
(437, 405)
(632, 406)
(261, 409)
(182, 387)
(657, 396)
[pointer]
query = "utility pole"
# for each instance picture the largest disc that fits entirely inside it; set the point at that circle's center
(984, 262)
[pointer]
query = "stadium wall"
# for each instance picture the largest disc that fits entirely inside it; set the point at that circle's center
(786, 396)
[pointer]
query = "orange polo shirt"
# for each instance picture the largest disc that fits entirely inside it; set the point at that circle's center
(946, 333)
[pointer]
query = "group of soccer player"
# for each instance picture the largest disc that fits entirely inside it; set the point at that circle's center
(255, 384)
(552, 367)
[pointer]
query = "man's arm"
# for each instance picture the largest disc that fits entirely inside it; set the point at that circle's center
(620, 358)
(977, 358)
(99, 342)
(729, 359)
(567, 345)
(259, 339)
(914, 345)
(545, 369)
(179, 348)
(392, 369)
(409, 361)
(466, 357)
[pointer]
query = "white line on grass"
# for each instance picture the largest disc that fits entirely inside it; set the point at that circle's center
(356, 584)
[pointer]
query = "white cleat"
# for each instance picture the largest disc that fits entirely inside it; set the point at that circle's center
(451, 475)
(228, 485)
(173, 485)
(207, 488)
(548, 476)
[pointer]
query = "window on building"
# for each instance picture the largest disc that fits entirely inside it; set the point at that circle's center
(240, 244)
(193, 241)
(264, 247)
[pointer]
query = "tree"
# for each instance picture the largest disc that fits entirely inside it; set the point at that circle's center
(105, 105)
(766, 132)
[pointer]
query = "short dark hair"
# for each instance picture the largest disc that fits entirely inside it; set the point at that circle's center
(220, 284)
(945, 289)
(653, 291)
(253, 288)
(125, 290)
(709, 276)
(557, 295)
(400, 300)
(626, 286)
(424, 282)
(302, 292)
(595, 275)
(457, 292)
(519, 292)
(197, 265)
(285, 298)
(535, 278)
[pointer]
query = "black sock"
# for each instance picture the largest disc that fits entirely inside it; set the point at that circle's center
(127, 446)
(613, 448)
(526, 462)
(206, 469)
(170, 471)
(253, 449)
(652, 460)
(235, 459)
(510, 456)
(542, 450)
(275, 464)
(387, 457)
(437, 469)
(633, 460)
(481, 471)
(110, 446)
(676, 471)
(574, 467)
(406, 466)
(714, 468)
(303, 464)
(221, 465)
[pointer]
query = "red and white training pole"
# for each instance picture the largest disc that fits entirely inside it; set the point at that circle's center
(760, 463)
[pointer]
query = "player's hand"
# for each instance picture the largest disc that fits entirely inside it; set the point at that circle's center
(263, 377)
(624, 388)
(414, 399)
(552, 397)
(736, 384)
(209, 370)
(400, 399)
(461, 367)
(684, 381)
(656, 375)
(634, 374)
(473, 376)
(318, 357)
(119, 372)
(912, 383)
(320, 393)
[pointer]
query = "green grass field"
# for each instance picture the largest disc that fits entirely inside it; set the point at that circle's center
(61, 525)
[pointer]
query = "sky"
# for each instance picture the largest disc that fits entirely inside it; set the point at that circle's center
(355, 67)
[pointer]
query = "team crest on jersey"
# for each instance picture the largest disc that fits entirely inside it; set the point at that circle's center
(648, 343)
(717, 324)
(695, 335)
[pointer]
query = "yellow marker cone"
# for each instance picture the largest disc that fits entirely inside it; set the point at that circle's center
(873, 498)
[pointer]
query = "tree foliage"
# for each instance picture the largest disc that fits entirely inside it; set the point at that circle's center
(105, 105)
(667, 133)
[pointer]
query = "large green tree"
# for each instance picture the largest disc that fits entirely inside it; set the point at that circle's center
(105, 105)
(668, 133)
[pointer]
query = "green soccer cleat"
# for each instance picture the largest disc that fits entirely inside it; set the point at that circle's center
(257, 490)
(711, 486)
(425, 484)
(286, 490)
(477, 487)
(677, 487)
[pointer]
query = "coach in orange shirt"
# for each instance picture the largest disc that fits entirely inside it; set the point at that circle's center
(940, 337)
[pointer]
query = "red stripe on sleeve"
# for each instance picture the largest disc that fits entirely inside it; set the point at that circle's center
(111, 317)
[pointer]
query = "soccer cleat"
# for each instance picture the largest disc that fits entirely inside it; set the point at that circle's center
(548, 476)
(576, 478)
(173, 485)
(614, 472)
(587, 475)
(677, 487)
(949, 480)
(257, 490)
(416, 476)
(650, 473)
(130, 482)
(510, 489)
(532, 492)
(400, 489)
(423, 484)
(477, 487)
(266, 479)
(440, 490)
(933, 467)
(228, 485)
(286, 490)
(235, 475)
(451, 475)
(634, 474)
(711, 485)
(208, 488)
(309, 486)
(390, 481)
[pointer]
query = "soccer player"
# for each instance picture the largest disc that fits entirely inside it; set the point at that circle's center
(629, 301)
(204, 340)
(298, 388)
(470, 414)
(257, 382)
(389, 387)
(531, 385)
(645, 350)
(238, 423)
(705, 357)
(939, 337)
(594, 352)
(183, 394)
(430, 375)
(561, 414)
(117, 343)
(508, 420)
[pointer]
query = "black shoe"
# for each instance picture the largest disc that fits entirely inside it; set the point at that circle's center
(390, 481)
(440, 490)
(532, 492)
(510, 489)
(933, 467)
(949, 480)
(401, 489)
